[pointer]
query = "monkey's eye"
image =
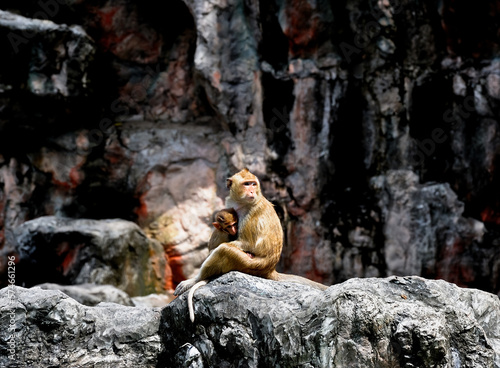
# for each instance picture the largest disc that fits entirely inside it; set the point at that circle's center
(250, 183)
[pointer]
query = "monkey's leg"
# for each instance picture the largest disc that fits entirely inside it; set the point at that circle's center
(216, 264)
(229, 257)
(185, 286)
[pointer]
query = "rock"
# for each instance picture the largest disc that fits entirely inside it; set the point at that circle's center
(91, 294)
(422, 221)
(394, 322)
(78, 251)
(47, 328)
(188, 356)
(45, 85)
(178, 192)
(60, 55)
(229, 86)
(153, 300)
(493, 85)
(247, 321)
(228, 70)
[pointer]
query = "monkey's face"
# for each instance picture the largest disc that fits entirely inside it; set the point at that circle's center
(244, 187)
(249, 189)
(231, 229)
(227, 221)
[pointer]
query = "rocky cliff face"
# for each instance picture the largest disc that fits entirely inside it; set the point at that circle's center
(372, 125)
(244, 321)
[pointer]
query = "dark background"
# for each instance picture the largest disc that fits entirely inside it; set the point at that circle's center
(373, 126)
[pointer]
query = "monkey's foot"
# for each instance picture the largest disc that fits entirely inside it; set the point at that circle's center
(184, 286)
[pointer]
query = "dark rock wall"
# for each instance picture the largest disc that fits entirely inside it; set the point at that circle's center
(372, 125)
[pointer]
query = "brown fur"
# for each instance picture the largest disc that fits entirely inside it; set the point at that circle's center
(228, 217)
(257, 249)
(223, 221)
(259, 233)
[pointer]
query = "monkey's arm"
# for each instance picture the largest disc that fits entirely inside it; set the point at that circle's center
(217, 238)
(226, 257)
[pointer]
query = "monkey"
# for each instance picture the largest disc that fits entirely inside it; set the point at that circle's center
(226, 228)
(257, 249)
(259, 233)
(225, 223)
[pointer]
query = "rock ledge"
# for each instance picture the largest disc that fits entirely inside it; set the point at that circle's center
(244, 321)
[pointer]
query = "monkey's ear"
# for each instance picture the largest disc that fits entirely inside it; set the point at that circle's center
(217, 225)
(229, 182)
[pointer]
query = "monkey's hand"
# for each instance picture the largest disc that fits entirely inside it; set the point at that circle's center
(184, 286)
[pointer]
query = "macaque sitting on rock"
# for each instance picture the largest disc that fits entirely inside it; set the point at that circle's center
(258, 244)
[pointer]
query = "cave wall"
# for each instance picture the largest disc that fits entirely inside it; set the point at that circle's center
(372, 125)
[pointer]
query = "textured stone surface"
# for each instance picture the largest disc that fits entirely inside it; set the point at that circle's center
(52, 329)
(91, 294)
(68, 48)
(153, 300)
(67, 251)
(392, 322)
(421, 221)
(250, 322)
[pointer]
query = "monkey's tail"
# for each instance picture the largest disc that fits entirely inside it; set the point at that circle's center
(190, 297)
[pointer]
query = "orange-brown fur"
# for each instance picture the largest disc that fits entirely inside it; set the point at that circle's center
(227, 218)
(226, 229)
(225, 222)
(259, 235)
